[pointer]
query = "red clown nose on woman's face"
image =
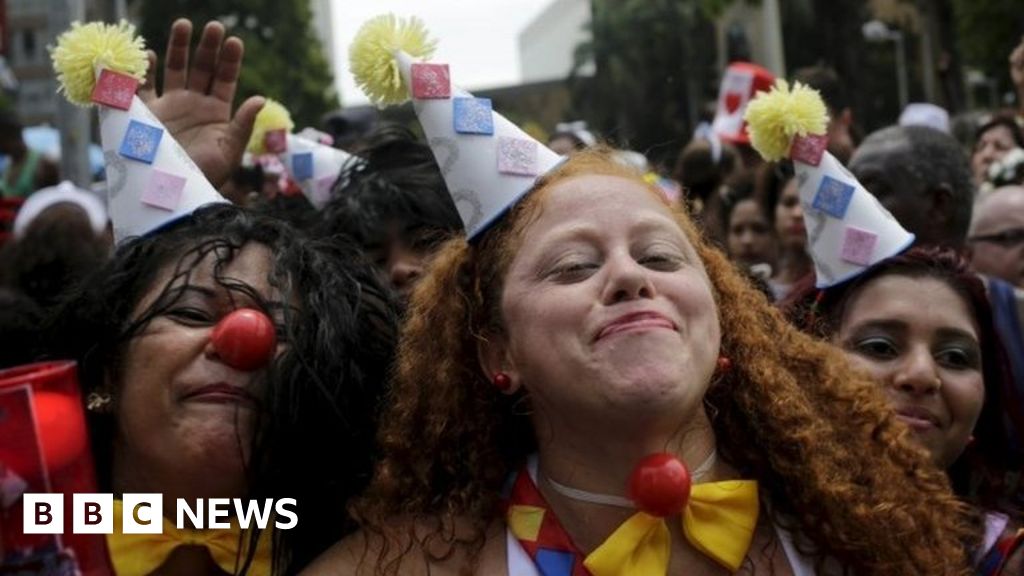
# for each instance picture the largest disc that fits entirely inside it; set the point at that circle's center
(245, 339)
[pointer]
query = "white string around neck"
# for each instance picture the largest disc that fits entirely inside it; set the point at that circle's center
(620, 501)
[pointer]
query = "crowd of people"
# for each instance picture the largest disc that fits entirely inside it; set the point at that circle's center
(797, 351)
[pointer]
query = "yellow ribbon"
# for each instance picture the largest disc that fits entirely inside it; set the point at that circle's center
(140, 554)
(719, 520)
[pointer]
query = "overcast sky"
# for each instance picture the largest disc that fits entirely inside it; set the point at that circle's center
(478, 39)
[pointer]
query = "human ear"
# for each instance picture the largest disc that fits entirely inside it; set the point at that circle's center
(493, 355)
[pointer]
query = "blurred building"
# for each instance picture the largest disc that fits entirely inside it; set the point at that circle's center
(27, 36)
(323, 26)
(28, 33)
(548, 43)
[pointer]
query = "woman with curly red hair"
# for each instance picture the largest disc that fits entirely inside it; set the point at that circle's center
(592, 326)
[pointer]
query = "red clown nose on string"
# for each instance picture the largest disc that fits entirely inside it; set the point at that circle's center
(245, 339)
(660, 485)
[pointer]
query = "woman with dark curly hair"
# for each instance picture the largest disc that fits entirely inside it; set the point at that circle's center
(223, 354)
(174, 411)
(592, 326)
(920, 324)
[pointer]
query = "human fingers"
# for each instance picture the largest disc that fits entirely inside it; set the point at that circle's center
(229, 66)
(147, 91)
(176, 57)
(204, 62)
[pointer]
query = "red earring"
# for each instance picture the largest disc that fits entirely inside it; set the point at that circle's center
(502, 381)
(723, 366)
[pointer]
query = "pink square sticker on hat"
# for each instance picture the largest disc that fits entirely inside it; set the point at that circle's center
(275, 141)
(517, 156)
(808, 149)
(114, 89)
(858, 246)
(163, 190)
(431, 81)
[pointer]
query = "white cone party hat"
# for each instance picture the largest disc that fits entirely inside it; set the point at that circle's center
(313, 164)
(848, 231)
(151, 181)
(488, 163)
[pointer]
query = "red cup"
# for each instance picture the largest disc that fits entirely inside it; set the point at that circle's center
(44, 447)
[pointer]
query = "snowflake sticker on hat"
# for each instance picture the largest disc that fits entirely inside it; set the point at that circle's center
(431, 81)
(151, 180)
(741, 81)
(115, 90)
(848, 231)
(473, 116)
(488, 163)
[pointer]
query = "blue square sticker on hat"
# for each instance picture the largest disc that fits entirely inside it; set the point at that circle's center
(833, 197)
(473, 116)
(302, 166)
(141, 141)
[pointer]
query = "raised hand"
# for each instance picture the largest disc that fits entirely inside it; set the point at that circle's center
(195, 102)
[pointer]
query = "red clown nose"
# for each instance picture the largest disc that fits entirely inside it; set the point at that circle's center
(660, 485)
(245, 339)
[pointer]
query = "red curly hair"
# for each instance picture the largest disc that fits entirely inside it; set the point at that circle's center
(820, 439)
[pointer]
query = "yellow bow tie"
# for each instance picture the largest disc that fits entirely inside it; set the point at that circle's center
(719, 521)
(141, 554)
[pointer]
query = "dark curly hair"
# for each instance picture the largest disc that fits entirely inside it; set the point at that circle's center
(395, 185)
(981, 474)
(323, 388)
(822, 442)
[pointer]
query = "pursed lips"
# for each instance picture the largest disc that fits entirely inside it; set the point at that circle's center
(635, 321)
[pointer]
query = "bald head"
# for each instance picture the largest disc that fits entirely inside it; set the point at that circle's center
(994, 209)
(997, 234)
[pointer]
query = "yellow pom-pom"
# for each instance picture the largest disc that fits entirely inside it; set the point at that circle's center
(372, 56)
(85, 49)
(775, 118)
(272, 117)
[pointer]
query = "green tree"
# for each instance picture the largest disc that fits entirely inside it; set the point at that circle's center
(655, 67)
(283, 58)
(989, 30)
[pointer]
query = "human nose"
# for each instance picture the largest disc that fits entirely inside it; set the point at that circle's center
(404, 273)
(627, 280)
(747, 238)
(917, 374)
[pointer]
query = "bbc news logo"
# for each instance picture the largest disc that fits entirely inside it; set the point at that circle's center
(143, 513)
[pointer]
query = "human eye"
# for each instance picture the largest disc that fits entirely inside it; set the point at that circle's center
(958, 358)
(189, 315)
(663, 261)
(875, 347)
(573, 270)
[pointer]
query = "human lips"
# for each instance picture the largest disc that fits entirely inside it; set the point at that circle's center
(635, 321)
(219, 393)
(918, 418)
